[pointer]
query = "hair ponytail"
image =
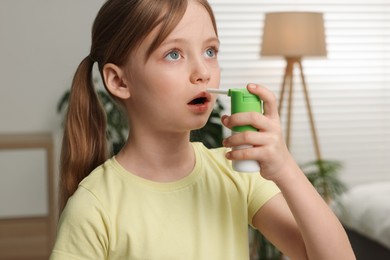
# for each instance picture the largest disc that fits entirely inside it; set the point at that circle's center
(84, 144)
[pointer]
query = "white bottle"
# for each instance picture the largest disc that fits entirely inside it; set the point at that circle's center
(245, 165)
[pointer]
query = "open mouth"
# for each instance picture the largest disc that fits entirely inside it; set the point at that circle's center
(198, 101)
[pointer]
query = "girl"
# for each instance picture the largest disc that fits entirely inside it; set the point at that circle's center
(162, 197)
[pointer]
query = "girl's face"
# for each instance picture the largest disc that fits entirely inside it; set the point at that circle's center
(168, 90)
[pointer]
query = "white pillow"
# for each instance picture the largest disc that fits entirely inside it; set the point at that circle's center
(366, 210)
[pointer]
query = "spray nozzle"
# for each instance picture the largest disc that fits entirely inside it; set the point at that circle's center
(218, 91)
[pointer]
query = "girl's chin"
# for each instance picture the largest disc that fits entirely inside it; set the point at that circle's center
(199, 124)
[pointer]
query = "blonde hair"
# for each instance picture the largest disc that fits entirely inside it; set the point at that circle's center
(119, 27)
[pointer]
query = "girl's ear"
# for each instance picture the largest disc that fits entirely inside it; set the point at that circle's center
(114, 78)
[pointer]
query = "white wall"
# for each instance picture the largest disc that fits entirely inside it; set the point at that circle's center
(41, 43)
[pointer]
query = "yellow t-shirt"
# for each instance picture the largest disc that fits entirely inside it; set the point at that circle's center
(117, 215)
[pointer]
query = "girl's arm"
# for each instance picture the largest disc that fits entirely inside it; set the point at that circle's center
(298, 221)
(301, 224)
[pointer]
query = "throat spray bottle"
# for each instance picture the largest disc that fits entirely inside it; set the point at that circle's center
(242, 101)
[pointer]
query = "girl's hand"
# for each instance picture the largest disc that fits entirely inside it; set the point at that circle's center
(269, 148)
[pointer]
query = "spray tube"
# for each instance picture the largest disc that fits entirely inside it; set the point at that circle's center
(242, 101)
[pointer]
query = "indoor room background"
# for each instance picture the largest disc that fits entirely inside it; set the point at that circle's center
(42, 42)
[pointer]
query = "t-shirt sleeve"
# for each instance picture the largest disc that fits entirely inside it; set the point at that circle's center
(83, 229)
(260, 191)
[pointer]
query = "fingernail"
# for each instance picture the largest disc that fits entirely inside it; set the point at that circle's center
(228, 155)
(251, 86)
(225, 120)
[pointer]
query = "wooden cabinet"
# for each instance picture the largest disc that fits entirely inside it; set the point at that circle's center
(27, 199)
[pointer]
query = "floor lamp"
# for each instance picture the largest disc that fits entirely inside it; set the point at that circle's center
(294, 35)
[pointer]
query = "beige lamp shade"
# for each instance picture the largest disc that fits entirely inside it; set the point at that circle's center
(293, 34)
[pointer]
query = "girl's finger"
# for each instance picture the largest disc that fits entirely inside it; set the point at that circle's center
(254, 119)
(248, 137)
(270, 104)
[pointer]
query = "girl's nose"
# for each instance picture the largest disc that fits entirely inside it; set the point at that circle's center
(200, 72)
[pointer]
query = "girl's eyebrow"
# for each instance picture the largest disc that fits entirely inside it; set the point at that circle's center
(183, 40)
(213, 39)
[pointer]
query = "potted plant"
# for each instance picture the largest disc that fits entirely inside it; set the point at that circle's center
(323, 175)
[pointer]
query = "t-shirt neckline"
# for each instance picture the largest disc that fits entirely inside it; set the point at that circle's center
(186, 181)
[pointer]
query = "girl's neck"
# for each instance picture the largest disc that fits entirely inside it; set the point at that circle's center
(166, 158)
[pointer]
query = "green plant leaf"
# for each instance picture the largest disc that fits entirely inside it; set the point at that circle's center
(323, 174)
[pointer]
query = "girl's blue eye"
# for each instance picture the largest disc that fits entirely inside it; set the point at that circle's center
(173, 55)
(211, 53)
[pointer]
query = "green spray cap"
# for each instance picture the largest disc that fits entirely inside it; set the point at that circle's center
(243, 101)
